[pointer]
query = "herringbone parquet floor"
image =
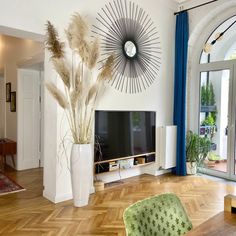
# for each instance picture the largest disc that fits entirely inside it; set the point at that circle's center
(28, 213)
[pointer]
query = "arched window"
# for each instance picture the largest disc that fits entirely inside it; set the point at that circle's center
(225, 47)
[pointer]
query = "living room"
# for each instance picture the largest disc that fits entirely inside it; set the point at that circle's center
(141, 101)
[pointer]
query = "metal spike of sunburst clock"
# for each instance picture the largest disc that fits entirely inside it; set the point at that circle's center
(128, 32)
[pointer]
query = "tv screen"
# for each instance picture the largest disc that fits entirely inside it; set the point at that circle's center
(124, 133)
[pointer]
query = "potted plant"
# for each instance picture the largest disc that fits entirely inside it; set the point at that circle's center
(197, 149)
(192, 152)
(204, 149)
(210, 124)
(78, 96)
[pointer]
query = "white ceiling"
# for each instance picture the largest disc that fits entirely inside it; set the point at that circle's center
(21, 51)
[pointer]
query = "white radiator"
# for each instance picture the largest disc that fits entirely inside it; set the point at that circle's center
(167, 144)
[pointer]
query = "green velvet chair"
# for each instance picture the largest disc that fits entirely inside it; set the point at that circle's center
(161, 215)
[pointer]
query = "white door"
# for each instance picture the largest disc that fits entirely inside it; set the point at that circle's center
(220, 128)
(2, 107)
(28, 119)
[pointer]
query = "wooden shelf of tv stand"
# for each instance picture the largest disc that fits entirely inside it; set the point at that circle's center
(126, 158)
(121, 169)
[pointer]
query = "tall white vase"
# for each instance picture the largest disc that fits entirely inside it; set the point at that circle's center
(81, 162)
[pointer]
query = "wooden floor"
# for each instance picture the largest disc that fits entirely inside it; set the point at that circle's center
(28, 213)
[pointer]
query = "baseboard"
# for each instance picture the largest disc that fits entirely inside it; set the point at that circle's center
(62, 197)
(59, 198)
(162, 172)
(92, 190)
(48, 196)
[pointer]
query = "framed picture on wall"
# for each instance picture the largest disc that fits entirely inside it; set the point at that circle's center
(13, 102)
(8, 92)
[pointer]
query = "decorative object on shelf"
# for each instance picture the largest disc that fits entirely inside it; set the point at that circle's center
(8, 92)
(81, 91)
(99, 185)
(128, 31)
(13, 102)
(123, 163)
(208, 130)
(126, 164)
(113, 166)
(197, 149)
(141, 160)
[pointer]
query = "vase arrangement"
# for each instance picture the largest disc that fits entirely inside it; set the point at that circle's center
(81, 173)
(81, 86)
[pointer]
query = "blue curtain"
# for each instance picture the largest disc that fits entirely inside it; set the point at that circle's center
(181, 53)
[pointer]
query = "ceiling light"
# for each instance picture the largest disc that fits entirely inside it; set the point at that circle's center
(218, 37)
(207, 48)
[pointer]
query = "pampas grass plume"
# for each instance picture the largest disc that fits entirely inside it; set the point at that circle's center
(74, 98)
(83, 50)
(79, 26)
(106, 72)
(57, 94)
(63, 71)
(53, 43)
(91, 94)
(76, 31)
(78, 77)
(94, 53)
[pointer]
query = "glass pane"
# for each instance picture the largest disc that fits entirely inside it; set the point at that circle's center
(221, 48)
(213, 117)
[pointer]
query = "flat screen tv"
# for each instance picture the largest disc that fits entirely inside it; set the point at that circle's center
(124, 133)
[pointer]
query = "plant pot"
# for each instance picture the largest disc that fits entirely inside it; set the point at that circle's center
(81, 162)
(191, 168)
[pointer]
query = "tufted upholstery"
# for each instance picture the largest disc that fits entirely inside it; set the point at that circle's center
(161, 215)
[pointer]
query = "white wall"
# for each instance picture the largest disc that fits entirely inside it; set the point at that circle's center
(159, 97)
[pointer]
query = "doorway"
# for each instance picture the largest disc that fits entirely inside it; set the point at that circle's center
(30, 117)
(217, 116)
(21, 60)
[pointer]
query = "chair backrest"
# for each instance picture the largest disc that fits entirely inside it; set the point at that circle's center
(158, 216)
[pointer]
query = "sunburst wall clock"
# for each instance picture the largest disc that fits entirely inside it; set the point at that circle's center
(128, 32)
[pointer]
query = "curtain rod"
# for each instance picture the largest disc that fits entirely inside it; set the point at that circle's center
(191, 8)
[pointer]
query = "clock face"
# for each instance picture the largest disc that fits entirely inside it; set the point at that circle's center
(127, 32)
